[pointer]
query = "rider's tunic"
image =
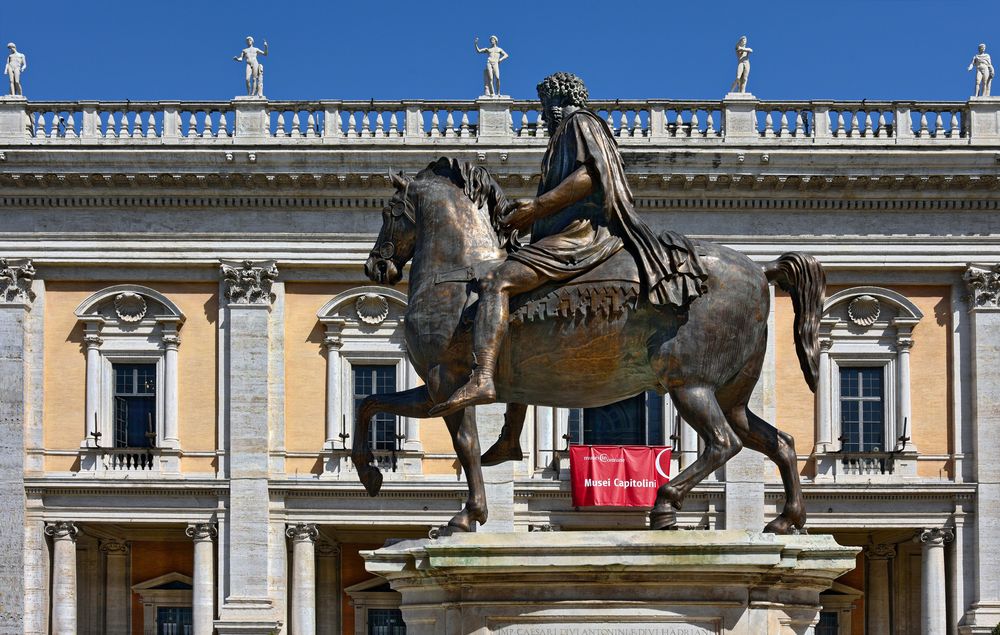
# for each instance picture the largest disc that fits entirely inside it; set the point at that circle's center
(585, 234)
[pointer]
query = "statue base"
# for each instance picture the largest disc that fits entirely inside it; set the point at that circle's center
(692, 582)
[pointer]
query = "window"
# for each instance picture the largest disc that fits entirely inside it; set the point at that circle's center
(862, 409)
(174, 620)
(634, 421)
(376, 380)
(829, 623)
(135, 405)
(385, 622)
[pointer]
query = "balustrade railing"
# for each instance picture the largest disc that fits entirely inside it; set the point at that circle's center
(663, 122)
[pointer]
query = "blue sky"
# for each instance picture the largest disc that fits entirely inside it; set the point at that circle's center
(849, 49)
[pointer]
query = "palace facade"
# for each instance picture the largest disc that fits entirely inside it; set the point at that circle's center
(186, 328)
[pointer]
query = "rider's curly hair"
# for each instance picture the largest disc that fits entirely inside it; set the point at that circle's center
(566, 85)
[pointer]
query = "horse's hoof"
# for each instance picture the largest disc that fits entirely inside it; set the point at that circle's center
(663, 519)
(441, 531)
(783, 527)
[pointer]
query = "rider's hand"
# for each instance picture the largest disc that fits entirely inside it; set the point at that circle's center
(524, 213)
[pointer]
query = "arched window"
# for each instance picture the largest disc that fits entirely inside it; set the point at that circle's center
(131, 340)
(863, 415)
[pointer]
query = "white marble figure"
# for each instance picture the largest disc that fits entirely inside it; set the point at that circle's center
(16, 64)
(491, 75)
(255, 70)
(742, 66)
(984, 71)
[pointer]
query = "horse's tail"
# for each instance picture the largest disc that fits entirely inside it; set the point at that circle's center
(802, 277)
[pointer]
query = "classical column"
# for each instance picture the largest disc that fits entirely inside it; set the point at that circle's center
(303, 614)
(411, 440)
(246, 362)
(877, 590)
(689, 444)
(170, 343)
(933, 591)
(118, 592)
(203, 593)
(327, 588)
(984, 349)
(904, 415)
(91, 425)
(335, 423)
(543, 437)
(824, 425)
(64, 593)
(15, 301)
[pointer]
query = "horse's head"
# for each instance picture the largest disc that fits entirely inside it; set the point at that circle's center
(397, 238)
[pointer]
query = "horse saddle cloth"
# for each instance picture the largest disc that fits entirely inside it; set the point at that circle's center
(605, 291)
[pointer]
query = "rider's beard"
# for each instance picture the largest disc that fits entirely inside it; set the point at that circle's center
(553, 116)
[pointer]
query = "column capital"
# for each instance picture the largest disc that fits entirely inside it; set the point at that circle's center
(904, 344)
(333, 342)
(249, 282)
(171, 341)
(62, 530)
(825, 344)
(201, 532)
(115, 547)
(15, 281)
(880, 551)
(984, 286)
(327, 549)
(302, 532)
(935, 537)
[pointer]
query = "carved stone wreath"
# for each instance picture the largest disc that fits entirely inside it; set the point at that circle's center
(864, 310)
(372, 308)
(130, 307)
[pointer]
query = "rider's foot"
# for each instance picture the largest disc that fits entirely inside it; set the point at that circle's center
(477, 391)
(502, 451)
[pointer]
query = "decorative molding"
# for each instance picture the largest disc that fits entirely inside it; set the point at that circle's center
(201, 532)
(372, 308)
(130, 307)
(301, 532)
(95, 300)
(937, 536)
(15, 281)
(62, 530)
(984, 286)
(864, 310)
(249, 282)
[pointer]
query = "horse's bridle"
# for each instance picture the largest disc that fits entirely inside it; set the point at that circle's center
(387, 249)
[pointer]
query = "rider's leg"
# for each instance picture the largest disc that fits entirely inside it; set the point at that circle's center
(495, 289)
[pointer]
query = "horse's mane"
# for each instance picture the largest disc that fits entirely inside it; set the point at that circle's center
(481, 188)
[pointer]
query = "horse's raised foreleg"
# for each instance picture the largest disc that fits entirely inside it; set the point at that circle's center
(778, 446)
(414, 402)
(465, 438)
(699, 407)
(508, 446)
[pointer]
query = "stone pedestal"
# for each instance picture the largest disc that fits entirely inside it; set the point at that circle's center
(697, 582)
(984, 120)
(739, 121)
(14, 121)
(494, 119)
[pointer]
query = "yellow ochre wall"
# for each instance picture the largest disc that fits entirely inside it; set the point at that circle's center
(65, 381)
(930, 372)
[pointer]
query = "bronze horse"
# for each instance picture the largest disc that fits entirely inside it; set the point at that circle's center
(444, 221)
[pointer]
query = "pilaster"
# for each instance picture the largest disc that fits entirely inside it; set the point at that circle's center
(117, 592)
(498, 479)
(877, 587)
(245, 368)
(984, 312)
(15, 302)
(328, 592)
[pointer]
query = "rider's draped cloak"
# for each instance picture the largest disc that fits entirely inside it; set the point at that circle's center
(585, 234)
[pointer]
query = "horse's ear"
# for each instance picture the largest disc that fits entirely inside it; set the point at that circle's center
(399, 181)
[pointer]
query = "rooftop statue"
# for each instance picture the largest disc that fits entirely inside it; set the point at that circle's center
(255, 70)
(984, 71)
(742, 66)
(595, 309)
(16, 64)
(491, 75)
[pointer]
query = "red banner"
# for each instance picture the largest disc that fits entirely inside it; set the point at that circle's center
(617, 475)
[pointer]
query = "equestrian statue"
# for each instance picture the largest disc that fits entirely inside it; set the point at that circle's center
(594, 309)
